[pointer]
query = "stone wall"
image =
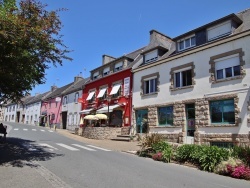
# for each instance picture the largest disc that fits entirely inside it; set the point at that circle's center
(236, 139)
(125, 130)
(99, 133)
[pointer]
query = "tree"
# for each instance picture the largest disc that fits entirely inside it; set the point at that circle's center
(30, 41)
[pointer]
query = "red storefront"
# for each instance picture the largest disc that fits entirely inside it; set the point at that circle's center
(109, 95)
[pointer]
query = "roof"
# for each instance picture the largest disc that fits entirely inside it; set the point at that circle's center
(58, 92)
(38, 98)
(228, 17)
(76, 86)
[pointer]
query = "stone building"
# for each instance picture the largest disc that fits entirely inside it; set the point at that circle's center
(198, 91)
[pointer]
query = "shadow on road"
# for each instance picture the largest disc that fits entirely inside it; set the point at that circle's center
(19, 153)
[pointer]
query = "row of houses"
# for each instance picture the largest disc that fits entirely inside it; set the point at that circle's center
(193, 88)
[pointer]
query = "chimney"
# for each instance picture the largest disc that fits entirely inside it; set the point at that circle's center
(106, 59)
(77, 78)
(53, 88)
(156, 35)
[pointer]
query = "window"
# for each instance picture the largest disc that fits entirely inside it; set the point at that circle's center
(49, 104)
(76, 97)
(102, 94)
(222, 111)
(12, 117)
(151, 57)
(227, 67)
(118, 66)
(65, 100)
(165, 115)
(91, 96)
(186, 43)
(219, 31)
(183, 78)
(95, 75)
(106, 71)
(116, 91)
(150, 85)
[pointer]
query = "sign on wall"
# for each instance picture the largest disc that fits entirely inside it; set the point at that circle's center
(126, 86)
(58, 99)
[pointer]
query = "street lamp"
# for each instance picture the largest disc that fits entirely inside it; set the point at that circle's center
(108, 99)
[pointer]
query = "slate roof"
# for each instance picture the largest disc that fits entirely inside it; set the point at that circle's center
(245, 17)
(58, 92)
(38, 98)
(76, 86)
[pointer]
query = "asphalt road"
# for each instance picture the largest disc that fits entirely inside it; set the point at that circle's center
(58, 161)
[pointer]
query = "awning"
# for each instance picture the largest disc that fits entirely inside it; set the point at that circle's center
(101, 93)
(115, 89)
(91, 94)
(105, 109)
(86, 111)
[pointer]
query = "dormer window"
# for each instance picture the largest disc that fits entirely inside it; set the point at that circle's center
(219, 31)
(187, 42)
(95, 75)
(106, 71)
(118, 66)
(151, 56)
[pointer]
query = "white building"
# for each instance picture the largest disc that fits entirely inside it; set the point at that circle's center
(33, 109)
(198, 92)
(70, 105)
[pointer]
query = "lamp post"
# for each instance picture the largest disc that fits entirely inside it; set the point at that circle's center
(108, 99)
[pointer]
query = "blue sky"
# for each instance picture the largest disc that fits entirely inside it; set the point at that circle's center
(113, 27)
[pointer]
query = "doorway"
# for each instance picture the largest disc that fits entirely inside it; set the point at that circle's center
(142, 121)
(190, 125)
(64, 120)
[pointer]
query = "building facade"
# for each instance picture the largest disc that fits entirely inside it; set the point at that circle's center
(200, 92)
(71, 107)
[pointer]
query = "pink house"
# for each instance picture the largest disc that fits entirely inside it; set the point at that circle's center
(51, 107)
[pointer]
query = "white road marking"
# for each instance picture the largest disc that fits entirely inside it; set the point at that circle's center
(42, 130)
(83, 147)
(67, 147)
(16, 129)
(98, 148)
(33, 129)
(51, 131)
(51, 148)
(25, 129)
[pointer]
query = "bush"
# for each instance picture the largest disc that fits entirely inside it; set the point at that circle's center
(149, 140)
(186, 152)
(241, 172)
(226, 167)
(212, 156)
(165, 149)
(242, 153)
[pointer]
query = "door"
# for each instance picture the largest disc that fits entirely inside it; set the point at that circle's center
(142, 121)
(190, 126)
(64, 120)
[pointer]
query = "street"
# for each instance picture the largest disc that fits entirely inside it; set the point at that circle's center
(35, 156)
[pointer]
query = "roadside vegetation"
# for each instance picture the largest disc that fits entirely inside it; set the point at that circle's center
(233, 162)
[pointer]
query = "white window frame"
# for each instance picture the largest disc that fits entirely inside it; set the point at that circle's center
(217, 29)
(184, 42)
(95, 75)
(181, 75)
(118, 66)
(154, 86)
(226, 62)
(151, 56)
(106, 71)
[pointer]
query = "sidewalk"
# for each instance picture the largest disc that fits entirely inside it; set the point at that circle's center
(123, 146)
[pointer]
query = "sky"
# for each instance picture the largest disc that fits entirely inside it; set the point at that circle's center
(115, 27)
